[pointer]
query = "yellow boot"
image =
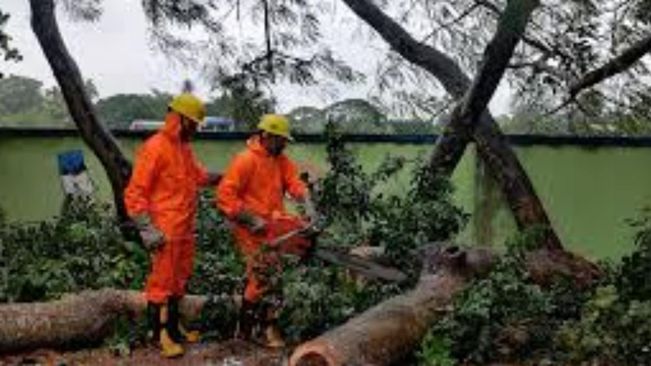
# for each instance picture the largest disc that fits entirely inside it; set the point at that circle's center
(191, 336)
(169, 348)
(178, 332)
(272, 334)
(273, 337)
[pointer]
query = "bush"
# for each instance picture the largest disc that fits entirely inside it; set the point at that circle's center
(505, 318)
(82, 249)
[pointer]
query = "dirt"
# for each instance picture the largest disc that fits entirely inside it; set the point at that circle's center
(228, 353)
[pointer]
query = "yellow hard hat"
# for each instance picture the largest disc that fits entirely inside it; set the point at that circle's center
(275, 124)
(189, 106)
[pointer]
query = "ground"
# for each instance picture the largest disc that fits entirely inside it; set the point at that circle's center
(228, 353)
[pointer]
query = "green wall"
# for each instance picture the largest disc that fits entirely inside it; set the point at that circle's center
(588, 192)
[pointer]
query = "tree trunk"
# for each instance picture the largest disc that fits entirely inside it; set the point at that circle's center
(65, 70)
(391, 330)
(492, 146)
(75, 320)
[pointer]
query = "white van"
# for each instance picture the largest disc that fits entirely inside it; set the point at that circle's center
(145, 125)
(218, 124)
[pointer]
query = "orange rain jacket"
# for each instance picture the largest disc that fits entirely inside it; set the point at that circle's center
(164, 185)
(257, 182)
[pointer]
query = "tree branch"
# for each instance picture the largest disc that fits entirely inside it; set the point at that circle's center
(532, 42)
(443, 67)
(613, 67)
(497, 55)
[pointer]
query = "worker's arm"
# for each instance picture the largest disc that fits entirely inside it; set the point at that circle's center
(137, 195)
(138, 192)
(229, 200)
(231, 185)
(291, 180)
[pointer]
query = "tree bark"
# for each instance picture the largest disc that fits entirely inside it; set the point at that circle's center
(75, 320)
(391, 330)
(492, 146)
(68, 76)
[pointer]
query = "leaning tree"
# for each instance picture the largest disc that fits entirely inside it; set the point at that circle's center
(570, 47)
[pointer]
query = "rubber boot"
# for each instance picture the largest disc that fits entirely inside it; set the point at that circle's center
(177, 330)
(273, 337)
(247, 320)
(169, 347)
(153, 319)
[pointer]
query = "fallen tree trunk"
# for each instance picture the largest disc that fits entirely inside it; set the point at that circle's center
(74, 320)
(391, 330)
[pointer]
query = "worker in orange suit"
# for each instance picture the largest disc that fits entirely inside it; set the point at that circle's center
(161, 199)
(251, 195)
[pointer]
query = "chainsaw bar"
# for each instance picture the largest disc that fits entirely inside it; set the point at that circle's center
(360, 265)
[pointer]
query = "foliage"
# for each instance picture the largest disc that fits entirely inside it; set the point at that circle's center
(243, 101)
(357, 116)
(633, 282)
(318, 296)
(399, 222)
(280, 49)
(7, 52)
(24, 103)
(611, 331)
(614, 327)
(435, 351)
(118, 111)
(506, 318)
(19, 94)
(218, 271)
(499, 316)
(81, 249)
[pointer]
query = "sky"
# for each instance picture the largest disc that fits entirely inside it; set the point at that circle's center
(114, 52)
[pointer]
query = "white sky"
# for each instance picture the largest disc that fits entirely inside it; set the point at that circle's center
(114, 53)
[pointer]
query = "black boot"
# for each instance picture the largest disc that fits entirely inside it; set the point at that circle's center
(272, 336)
(248, 320)
(153, 320)
(177, 330)
(173, 320)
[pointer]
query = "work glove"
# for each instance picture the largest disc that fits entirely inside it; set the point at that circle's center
(152, 237)
(255, 223)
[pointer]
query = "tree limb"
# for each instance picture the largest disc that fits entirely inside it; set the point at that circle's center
(443, 67)
(613, 67)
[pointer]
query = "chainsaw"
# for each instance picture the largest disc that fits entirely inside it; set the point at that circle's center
(314, 227)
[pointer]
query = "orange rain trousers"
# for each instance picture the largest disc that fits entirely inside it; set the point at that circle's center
(164, 185)
(256, 182)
